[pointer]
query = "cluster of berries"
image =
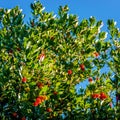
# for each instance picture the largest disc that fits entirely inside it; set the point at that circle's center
(39, 100)
(101, 95)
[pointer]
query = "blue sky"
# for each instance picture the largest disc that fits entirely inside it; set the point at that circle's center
(101, 9)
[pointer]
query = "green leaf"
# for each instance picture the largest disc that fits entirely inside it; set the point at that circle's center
(98, 46)
(92, 21)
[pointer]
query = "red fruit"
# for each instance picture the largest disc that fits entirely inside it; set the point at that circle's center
(44, 97)
(82, 66)
(103, 96)
(35, 104)
(24, 79)
(90, 79)
(14, 114)
(38, 100)
(23, 118)
(41, 97)
(49, 110)
(95, 95)
(69, 72)
(55, 93)
(96, 54)
(40, 85)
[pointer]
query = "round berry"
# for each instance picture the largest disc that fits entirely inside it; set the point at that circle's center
(90, 79)
(69, 72)
(82, 66)
(24, 79)
(49, 110)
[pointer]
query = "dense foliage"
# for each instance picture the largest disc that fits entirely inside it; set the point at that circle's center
(42, 61)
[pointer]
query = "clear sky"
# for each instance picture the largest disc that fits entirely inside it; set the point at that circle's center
(101, 9)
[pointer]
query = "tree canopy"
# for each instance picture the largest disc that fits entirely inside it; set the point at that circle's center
(42, 61)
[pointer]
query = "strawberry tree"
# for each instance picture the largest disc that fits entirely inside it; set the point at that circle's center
(42, 62)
